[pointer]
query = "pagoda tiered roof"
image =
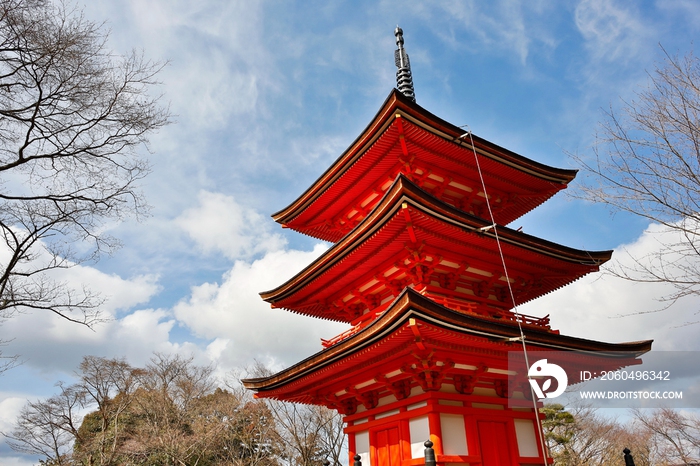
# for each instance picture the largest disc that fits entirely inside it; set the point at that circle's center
(413, 238)
(428, 275)
(436, 155)
(419, 343)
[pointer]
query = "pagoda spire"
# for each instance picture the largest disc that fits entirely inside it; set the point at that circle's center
(404, 80)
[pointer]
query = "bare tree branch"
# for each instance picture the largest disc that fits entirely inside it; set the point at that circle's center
(73, 117)
(307, 434)
(581, 436)
(49, 428)
(647, 162)
(675, 435)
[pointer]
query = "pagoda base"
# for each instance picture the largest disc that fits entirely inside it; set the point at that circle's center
(422, 371)
(476, 429)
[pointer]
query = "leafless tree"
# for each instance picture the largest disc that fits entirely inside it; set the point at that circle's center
(134, 414)
(580, 436)
(72, 119)
(50, 427)
(171, 387)
(244, 429)
(333, 438)
(647, 162)
(675, 435)
(307, 434)
(109, 385)
(171, 412)
(56, 428)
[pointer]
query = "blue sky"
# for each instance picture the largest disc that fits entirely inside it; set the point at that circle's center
(267, 94)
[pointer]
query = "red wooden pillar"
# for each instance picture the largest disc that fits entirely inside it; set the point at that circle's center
(435, 432)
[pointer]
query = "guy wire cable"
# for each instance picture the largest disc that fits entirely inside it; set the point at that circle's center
(510, 288)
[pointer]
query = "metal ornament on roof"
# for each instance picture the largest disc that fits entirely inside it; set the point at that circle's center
(404, 80)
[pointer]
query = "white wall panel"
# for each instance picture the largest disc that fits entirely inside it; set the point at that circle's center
(527, 440)
(420, 432)
(454, 436)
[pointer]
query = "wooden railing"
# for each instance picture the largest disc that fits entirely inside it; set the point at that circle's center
(364, 322)
(474, 309)
(456, 305)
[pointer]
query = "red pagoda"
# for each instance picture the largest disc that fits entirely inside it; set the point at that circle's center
(428, 278)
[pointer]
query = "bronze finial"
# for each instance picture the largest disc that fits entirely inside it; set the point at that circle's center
(404, 79)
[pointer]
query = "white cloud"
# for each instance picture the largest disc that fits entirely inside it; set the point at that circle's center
(10, 406)
(16, 461)
(237, 325)
(606, 308)
(217, 57)
(220, 225)
(508, 25)
(48, 343)
(120, 294)
(244, 327)
(143, 332)
(613, 33)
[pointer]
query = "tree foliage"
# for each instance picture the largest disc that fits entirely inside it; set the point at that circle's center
(49, 428)
(647, 162)
(72, 118)
(170, 412)
(307, 435)
(581, 436)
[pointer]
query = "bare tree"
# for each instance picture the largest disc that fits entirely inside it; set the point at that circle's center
(56, 428)
(168, 405)
(238, 429)
(647, 162)
(72, 118)
(49, 428)
(135, 414)
(675, 435)
(333, 438)
(307, 434)
(171, 412)
(580, 436)
(109, 385)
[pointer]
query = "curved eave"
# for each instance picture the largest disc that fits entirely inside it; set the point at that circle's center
(411, 304)
(405, 191)
(397, 103)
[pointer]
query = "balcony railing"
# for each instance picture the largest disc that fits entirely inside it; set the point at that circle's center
(541, 323)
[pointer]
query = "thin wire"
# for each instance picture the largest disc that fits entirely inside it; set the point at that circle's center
(510, 288)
